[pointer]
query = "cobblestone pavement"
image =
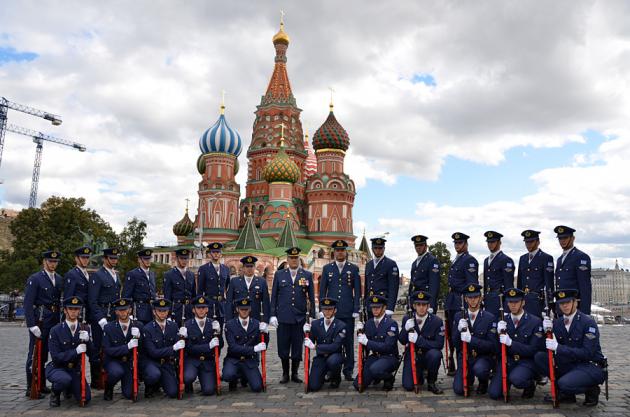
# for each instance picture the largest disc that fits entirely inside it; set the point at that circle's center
(290, 399)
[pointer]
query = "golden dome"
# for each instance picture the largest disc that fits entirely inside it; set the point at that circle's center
(281, 36)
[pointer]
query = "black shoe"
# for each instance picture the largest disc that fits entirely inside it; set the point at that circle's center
(451, 367)
(285, 371)
(562, 398)
(295, 366)
(45, 390)
(95, 372)
(388, 384)
(149, 391)
(348, 377)
(591, 397)
(243, 382)
(433, 387)
(108, 395)
(67, 395)
(188, 388)
(482, 389)
(376, 382)
(335, 381)
(232, 386)
(529, 392)
(54, 399)
(295, 378)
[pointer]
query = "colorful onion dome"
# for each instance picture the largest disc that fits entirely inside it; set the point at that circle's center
(281, 36)
(281, 168)
(220, 137)
(331, 135)
(184, 227)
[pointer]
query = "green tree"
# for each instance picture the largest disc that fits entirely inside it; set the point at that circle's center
(130, 241)
(440, 251)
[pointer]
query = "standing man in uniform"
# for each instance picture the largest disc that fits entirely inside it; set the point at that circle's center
(425, 272)
(42, 299)
(179, 287)
(463, 272)
(535, 272)
(341, 280)
(140, 287)
(292, 305)
(381, 277)
(248, 285)
(77, 280)
(498, 273)
(573, 269)
(214, 278)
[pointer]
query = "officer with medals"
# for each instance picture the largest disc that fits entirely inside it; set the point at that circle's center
(426, 331)
(66, 344)
(425, 272)
(341, 280)
(573, 268)
(463, 272)
(326, 339)
(578, 355)
(481, 336)
(42, 299)
(202, 336)
(380, 338)
(498, 273)
(522, 334)
(242, 334)
(105, 288)
(381, 276)
(161, 348)
(292, 305)
(140, 287)
(120, 337)
(77, 280)
(248, 285)
(213, 281)
(179, 287)
(535, 272)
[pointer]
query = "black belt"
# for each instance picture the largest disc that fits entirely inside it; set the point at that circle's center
(242, 358)
(165, 360)
(203, 357)
(182, 301)
(379, 355)
(104, 305)
(143, 302)
(454, 291)
(52, 307)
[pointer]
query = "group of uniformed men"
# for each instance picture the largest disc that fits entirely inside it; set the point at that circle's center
(198, 313)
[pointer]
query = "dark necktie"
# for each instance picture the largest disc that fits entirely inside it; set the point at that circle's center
(472, 317)
(162, 326)
(516, 322)
(328, 322)
(531, 256)
(73, 327)
(124, 328)
(567, 321)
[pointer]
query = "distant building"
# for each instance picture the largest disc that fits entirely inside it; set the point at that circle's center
(6, 238)
(611, 286)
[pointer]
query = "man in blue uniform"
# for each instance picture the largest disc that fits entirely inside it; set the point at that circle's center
(341, 280)
(425, 271)
(522, 334)
(161, 348)
(248, 285)
(535, 274)
(120, 337)
(478, 328)
(67, 341)
(140, 287)
(105, 288)
(578, 354)
(380, 339)
(292, 304)
(42, 299)
(202, 337)
(213, 281)
(463, 272)
(242, 334)
(381, 277)
(573, 268)
(179, 287)
(77, 280)
(426, 332)
(326, 339)
(498, 273)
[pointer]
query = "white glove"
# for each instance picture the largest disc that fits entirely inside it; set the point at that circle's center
(214, 342)
(36, 332)
(465, 337)
(260, 347)
(135, 332)
(273, 321)
(463, 324)
(306, 327)
(389, 313)
(551, 344)
(131, 317)
(132, 344)
(81, 348)
(84, 335)
(309, 343)
(355, 315)
(505, 339)
(183, 332)
(501, 326)
(169, 319)
(547, 323)
(359, 326)
(430, 310)
(179, 345)
(263, 327)
(363, 339)
(409, 324)
(216, 326)
(413, 336)
(102, 322)
(321, 315)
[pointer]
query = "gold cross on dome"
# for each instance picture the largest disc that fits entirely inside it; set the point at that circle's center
(187, 200)
(282, 17)
(332, 90)
(282, 126)
(222, 101)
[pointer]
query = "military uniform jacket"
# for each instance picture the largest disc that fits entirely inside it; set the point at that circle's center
(178, 288)
(535, 275)
(425, 276)
(575, 272)
(463, 271)
(76, 284)
(258, 293)
(382, 341)
(197, 343)
(581, 343)
(527, 339)
(241, 342)
(158, 346)
(40, 292)
(383, 280)
(498, 275)
(102, 292)
(328, 342)
(345, 286)
(62, 346)
(288, 299)
(430, 337)
(484, 341)
(142, 290)
(115, 341)
(214, 286)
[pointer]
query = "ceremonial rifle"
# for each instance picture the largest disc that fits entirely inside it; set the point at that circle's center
(263, 356)
(180, 387)
(412, 350)
(83, 401)
(36, 365)
(503, 353)
(464, 353)
(550, 357)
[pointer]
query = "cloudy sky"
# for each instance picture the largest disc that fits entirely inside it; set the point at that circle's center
(463, 116)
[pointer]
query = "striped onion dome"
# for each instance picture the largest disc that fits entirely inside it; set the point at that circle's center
(184, 227)
(220, 137)
(281, 169)
(331, 135)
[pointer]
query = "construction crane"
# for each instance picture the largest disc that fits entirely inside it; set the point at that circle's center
(5, 105)
(38, 139)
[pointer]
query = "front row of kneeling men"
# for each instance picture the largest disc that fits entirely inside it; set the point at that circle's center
(575, 343)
